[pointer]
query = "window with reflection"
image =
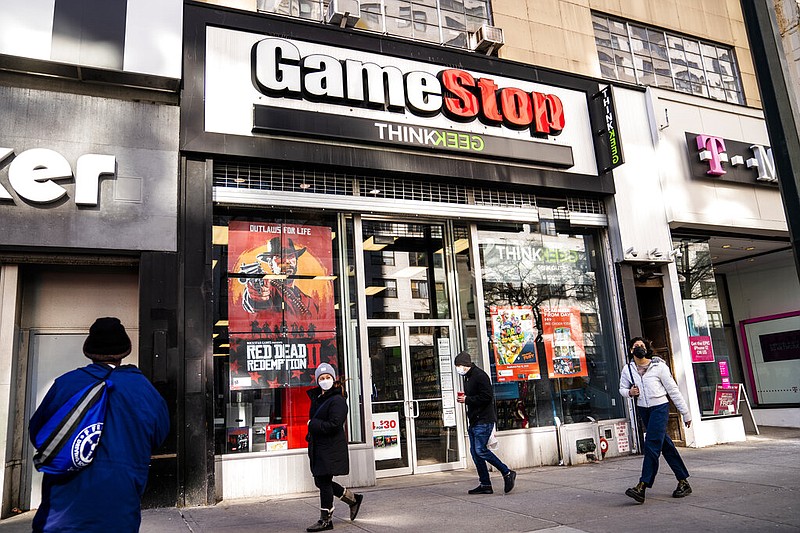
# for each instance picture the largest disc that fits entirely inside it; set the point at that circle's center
(651, 56)
(545, 308)
(448, 22)
(278, 288)
(414, 284)
(710, 327)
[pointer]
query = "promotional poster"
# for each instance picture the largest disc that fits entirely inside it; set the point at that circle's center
(281, 316)
(513, 336)
(563, 341)
(699, 332)
(386, 436)
(726, 399)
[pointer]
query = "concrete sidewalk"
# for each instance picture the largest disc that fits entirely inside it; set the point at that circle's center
(750, 486)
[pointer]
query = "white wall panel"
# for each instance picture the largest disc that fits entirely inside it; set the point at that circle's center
(26, 28)
(153, 33)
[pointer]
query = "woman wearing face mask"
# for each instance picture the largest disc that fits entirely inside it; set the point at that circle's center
(327, 445)
(647, 378)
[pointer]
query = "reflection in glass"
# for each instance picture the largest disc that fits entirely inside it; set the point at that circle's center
(414, 284)
(569, 368)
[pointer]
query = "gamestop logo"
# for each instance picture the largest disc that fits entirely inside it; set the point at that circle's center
(280, 70)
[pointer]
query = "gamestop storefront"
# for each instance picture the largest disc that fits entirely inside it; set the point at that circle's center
(381, 205)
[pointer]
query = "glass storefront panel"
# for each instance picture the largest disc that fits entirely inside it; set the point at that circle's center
(280, 286)
(708, 321)
(550, 355)
(404, 270)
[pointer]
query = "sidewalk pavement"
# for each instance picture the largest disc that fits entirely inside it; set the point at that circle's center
(749, 486)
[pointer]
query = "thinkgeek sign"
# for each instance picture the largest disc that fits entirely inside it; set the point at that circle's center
(258, 85)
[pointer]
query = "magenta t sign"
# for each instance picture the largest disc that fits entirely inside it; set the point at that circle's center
(712, 149)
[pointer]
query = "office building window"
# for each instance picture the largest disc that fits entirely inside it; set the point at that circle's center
(644, 55)
(447, 22)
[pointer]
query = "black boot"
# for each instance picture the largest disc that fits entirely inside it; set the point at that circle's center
(325, 521)
(353, 500)
(683, 489)
(637, 492)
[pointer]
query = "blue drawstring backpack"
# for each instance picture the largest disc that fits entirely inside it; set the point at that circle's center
(67, 441)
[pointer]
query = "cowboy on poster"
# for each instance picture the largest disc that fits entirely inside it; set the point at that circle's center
(513, 335)
(280, 278)
(281, 316)
(563, 342)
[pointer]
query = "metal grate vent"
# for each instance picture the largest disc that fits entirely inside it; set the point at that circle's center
(586, 205)
(271, 178)
(243, 175)
(414, 190)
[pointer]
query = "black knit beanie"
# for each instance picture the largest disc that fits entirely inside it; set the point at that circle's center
(463, 359)
(107, 341)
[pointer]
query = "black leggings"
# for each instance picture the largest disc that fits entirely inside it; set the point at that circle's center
(328, 488)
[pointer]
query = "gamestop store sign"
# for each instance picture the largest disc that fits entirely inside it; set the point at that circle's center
(259, 85)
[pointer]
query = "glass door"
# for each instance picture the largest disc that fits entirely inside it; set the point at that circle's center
(413, 398)
(432, 397)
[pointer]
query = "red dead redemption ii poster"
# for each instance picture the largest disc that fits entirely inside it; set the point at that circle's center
(281, 316)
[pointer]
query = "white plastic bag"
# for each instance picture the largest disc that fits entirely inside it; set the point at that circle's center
(493, 443)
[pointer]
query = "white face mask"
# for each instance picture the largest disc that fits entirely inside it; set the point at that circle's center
(326, 383)
(462, 370)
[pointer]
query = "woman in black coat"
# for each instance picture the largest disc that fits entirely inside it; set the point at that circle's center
(327, 445)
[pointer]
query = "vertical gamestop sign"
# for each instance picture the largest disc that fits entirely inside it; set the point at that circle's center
(283, 73)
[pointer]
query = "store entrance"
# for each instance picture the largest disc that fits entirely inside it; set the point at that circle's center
(413, 397)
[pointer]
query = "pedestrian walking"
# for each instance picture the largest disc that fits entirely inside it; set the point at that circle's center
(647, 379)
(327, 445)
(105, 495)
(478, 397)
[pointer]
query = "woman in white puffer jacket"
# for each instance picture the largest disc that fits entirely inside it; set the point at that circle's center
(648, 379)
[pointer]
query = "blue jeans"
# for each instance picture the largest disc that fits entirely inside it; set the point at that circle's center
(656, 442)
(478, 437)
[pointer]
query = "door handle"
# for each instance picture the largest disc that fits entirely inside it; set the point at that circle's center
(414, 412)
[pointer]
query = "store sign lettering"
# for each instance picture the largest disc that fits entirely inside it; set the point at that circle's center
(429, 137)
(280, 70)
(716, 151)
(33, 174)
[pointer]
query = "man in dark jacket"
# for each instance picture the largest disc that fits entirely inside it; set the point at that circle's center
(478, 397)
(106, 495)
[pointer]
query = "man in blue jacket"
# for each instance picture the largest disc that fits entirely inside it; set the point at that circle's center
(106, 495)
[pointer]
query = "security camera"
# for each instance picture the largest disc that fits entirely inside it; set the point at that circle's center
(676, 253)
(654, 253)
(632, 252)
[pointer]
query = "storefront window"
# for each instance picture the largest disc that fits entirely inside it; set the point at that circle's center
(411, 285)
(278, 306)
(715, 370)
(543, 309)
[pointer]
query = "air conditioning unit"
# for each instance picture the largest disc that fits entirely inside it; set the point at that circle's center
(487, 39)
(343, 13)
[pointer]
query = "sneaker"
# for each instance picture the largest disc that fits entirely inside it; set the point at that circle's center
(637, 492)
(508, 481)
(683, 489)
(482, 489)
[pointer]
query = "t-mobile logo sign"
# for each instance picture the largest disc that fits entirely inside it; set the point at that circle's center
(713, 151)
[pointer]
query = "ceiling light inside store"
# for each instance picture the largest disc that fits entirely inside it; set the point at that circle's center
(222, 323)
(374, 244)
(305, 186)
(375, 191)
(274, 276)
(726, 246)
(219, 235)
(224, 345)
(750, 248)
(372, 291)
(409, 272)
(326, 278)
